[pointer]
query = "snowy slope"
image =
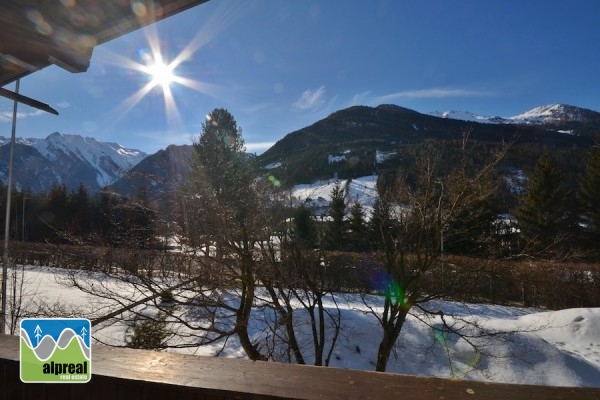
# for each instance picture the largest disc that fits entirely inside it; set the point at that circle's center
(556, 348)
(110, 160)
(549, 114)
(318, 194)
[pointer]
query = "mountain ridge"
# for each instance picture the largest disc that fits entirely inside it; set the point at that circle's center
(355, 141)
(66, 159)
(546, 114)
(362, 134)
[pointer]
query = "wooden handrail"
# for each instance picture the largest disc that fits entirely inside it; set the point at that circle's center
(119, 373)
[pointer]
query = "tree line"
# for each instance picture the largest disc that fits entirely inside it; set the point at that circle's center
(556, 216)
(75, 217)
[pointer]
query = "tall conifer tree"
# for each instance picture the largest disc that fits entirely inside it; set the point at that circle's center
(336, 232)
(590, 189)
(543, 214)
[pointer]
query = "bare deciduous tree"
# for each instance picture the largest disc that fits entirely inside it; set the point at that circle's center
(410, 221)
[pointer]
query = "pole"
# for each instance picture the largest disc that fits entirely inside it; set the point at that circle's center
(7, 219)
(23, 221)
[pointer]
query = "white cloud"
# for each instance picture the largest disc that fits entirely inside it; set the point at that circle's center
(6, 116)
(63, 104)
(360, 99)
(255, 108)
(310, 99)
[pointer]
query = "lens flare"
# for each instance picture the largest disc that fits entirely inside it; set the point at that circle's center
(274, 181)
(462, 356)
(386, 285)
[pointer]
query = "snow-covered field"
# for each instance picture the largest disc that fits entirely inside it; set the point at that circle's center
(362, 190)
(558, 348)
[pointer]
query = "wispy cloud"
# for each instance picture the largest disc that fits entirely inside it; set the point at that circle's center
(361, 99)
(6, 116)
(63, 104)
(310, 99)
(258, 107)
(431, 93)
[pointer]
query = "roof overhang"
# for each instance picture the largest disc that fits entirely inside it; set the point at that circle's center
(35, 34)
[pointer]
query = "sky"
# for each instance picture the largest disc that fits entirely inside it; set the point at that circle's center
(281, 65)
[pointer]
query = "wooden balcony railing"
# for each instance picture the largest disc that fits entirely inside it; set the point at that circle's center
(138, 374)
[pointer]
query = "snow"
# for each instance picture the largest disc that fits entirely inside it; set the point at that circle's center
(567, 132)
(556, 348)
(544, 114)
(332, 158)
(382, 156)
(318, 194)
(273, 165)
(467, 116)
(318, 189)
(536, 116)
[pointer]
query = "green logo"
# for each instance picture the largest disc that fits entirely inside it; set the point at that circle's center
(56, 350)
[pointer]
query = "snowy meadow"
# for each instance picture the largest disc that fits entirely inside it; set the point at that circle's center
(520, 345)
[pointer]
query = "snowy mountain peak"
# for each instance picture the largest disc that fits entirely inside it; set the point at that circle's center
(467, 116)
(73, 159)
(551, 113)
(91, 149)
(548, 114)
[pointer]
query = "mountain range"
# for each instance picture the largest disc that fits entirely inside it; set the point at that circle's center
(354, 141)
(66, 159)
(553, 114)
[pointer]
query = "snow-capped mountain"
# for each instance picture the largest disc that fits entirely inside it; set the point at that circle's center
(469, 116)
(551, 114)
(66, 159)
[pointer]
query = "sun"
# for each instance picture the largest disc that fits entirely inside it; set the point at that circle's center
(162, 74)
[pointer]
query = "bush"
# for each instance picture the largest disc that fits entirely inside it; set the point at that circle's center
(147, 332)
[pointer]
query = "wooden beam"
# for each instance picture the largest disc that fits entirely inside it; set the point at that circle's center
(119, 373)
(27, 100)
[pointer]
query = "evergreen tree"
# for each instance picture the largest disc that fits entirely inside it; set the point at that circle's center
(103, 216)
(380, 225)
(475, 231)
(590, 190)
(304, 229)
(79, 207)
(358, 239)
(141, 219)
(150, 333)
(335, 238)
(55, 215)
(225, 207)
(220, 150)
(543, 213)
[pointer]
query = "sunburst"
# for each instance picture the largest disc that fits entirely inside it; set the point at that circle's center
(162, 72)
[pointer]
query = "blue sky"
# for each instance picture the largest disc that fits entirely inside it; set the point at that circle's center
(280, 65)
